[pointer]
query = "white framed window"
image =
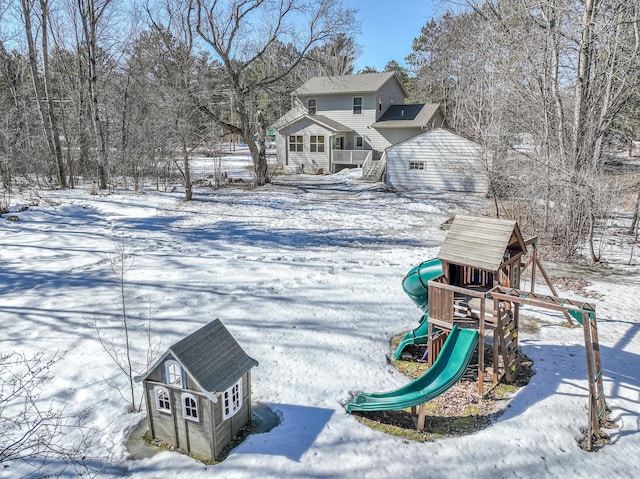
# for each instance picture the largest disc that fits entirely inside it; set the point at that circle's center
(357, 105)
(163, 402)
(190, 407)
(417, 165)
(359, 141)
(311, 106)
(316, 143)
(296, 143)
(173, 373)
(232, 400)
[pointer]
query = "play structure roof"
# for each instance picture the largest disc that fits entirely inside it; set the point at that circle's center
(480, 242)
(211, 356)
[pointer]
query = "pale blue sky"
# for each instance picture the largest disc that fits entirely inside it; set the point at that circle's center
(389, 27)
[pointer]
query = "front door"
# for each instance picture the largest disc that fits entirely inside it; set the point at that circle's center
(338, 143)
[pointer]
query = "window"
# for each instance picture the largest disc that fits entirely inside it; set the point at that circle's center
(317, 143)
(173, 373)
(232, 400)
(379, 104)
(295, 143)
(162, 399)
(190, 407)
(359, 142)
(357, 105)
(311, 106)
(417, 165)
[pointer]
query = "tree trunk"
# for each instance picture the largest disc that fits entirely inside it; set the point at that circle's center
(89, 18)
(55, 136)
(585, 58)
(46, 114)
(261, 167)
(636, 212)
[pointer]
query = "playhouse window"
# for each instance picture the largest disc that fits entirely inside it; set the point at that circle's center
(232, 400)
(162, 399)
(173, 373)
(190, 407)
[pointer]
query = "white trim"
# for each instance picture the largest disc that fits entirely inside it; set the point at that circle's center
(192, 411)
(312, 110)
(358, 109)
(157, 391)
(173, 373)
(232, 400)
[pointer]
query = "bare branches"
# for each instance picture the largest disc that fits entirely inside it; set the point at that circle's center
(31, 429)
(119, 348)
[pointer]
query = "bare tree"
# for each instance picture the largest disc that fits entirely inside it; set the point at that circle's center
(242, 33)
(120, 349)
(516, 74)
(92, 15)
(42, 88)
(32, 431)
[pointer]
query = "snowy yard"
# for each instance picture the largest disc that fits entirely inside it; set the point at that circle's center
(306, 275)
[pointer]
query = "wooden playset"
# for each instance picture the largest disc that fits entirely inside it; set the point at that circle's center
(477, 288)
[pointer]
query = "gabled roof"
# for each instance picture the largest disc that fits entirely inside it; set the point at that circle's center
(211, 356)
(402, 116)
(480, 242)
(321, 120)
(359, 83)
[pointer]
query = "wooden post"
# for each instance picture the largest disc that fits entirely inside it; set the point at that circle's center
(594, 423)
(533, 268)
(481, 348)
(430, 357)
(553, 290)
(421, 415)
(600, 398)
(496, 348)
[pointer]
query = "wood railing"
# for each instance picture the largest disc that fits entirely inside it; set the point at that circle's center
(350, 157)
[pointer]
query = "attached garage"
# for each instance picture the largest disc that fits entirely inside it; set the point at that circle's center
(439, 160)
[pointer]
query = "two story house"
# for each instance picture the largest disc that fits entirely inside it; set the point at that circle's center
(349, 121)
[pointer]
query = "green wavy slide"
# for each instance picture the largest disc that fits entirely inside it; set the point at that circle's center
(416, 285)
(453, 360)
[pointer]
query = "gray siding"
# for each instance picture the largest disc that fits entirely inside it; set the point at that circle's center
(453, 163)
(210, 434)
(292, 160)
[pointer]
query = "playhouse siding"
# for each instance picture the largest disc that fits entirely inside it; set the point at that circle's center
(226, 430)
(173, 428)
(451, 163)
(211, 434)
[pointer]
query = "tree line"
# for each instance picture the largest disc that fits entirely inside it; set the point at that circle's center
(102, 89)
(550, 88)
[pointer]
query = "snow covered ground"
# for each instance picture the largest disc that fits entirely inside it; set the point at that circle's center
(306, 274)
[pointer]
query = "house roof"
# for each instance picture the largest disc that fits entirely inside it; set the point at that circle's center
(402, 116)
(321, 120)
(359, 83)
(211, 356)
(480, 242)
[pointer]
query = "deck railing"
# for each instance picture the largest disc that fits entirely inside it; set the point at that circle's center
(350, 157)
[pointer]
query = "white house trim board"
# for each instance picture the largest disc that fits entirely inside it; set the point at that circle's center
(439, 160)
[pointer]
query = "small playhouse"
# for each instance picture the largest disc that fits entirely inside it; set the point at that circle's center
(198, 394)
(470, 294)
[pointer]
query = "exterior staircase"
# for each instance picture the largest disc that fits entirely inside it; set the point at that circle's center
(373, 170)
